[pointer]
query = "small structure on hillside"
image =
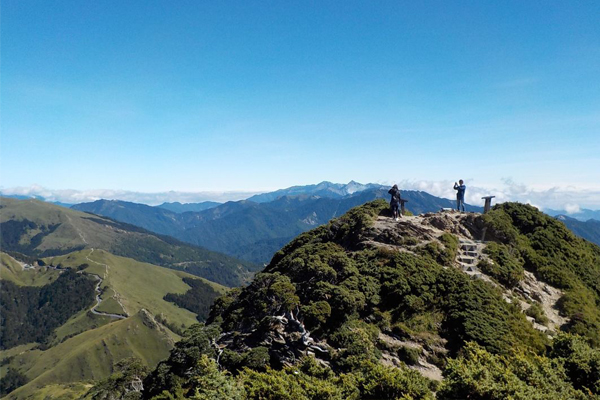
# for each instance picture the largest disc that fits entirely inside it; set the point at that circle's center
(488, 203)
(402, 202)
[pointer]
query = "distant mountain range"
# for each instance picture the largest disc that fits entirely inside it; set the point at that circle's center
(38, 229)
(589, 229)
(254, 231)
(323, 189)
(180, 208)
(256, 236)
(582, 215)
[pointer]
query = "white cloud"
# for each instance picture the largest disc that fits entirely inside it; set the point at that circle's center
(572, 208)
(557, 197)
(569, 198)
(71, 196)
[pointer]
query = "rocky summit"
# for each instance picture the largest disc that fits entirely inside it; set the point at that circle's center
(369, 307)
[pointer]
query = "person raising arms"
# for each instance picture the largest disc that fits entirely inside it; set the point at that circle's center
(460, 194)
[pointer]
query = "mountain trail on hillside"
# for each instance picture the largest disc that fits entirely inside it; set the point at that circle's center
(411, 234)
(547, 296)
(426, 228)
(115, 296)
(83, 239)
(440, 296)
(288, 337)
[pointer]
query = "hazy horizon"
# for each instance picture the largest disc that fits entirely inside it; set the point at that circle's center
(545, 199)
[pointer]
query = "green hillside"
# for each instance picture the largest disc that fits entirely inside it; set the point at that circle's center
(13, 271)
(367, 308)
(136, 285)
(31, 313)
(37, 229)
(91, 355)
(87, 346)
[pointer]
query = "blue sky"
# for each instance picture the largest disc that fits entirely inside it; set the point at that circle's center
(154, 96)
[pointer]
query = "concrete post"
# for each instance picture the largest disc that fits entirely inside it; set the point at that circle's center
(402, 201)
(488, 203)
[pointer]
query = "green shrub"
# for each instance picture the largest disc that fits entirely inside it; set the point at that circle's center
(316, 313)
(507, 267)
(256, 359)
(581, 362)
(450, 243)
(294, 384)
(380, 382)
(478, 374)
(558, 257)
(357, 340)
(537, 313)
(410, 355)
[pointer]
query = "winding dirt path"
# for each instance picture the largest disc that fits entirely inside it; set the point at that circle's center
(98, 292)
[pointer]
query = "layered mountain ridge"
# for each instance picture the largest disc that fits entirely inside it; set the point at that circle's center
(37, 229)
(255, 231)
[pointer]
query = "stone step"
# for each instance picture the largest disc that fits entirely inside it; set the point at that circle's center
(474, 254)
(467, 260)
(468, 247)
(470, 268)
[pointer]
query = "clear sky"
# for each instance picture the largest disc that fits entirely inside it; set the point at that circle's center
(153, 96)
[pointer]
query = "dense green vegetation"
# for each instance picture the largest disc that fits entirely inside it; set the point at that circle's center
(191, 372)
(30, 314)
(198, 299)
(11, 380)
(478, 374)
(569, 371)
(334, 284)
(14, 231)
(122, 383)
(507, 266)
(365, 305)
(347, 295)
(543, 245)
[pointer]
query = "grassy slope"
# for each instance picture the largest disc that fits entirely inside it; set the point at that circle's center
(63, 231)
(80, 356)
(11, 270)
(91, 355)
(69, 391)
(137, 285)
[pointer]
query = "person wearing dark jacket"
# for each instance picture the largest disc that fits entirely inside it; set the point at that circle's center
(460, 195)
(395, 202)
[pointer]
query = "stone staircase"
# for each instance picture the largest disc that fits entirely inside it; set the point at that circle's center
(469, 254)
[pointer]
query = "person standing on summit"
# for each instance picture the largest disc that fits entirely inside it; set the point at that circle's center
(395, 201)
(460, 195)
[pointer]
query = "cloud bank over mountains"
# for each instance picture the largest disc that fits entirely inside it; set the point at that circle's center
(71, 196)
(569, 198)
